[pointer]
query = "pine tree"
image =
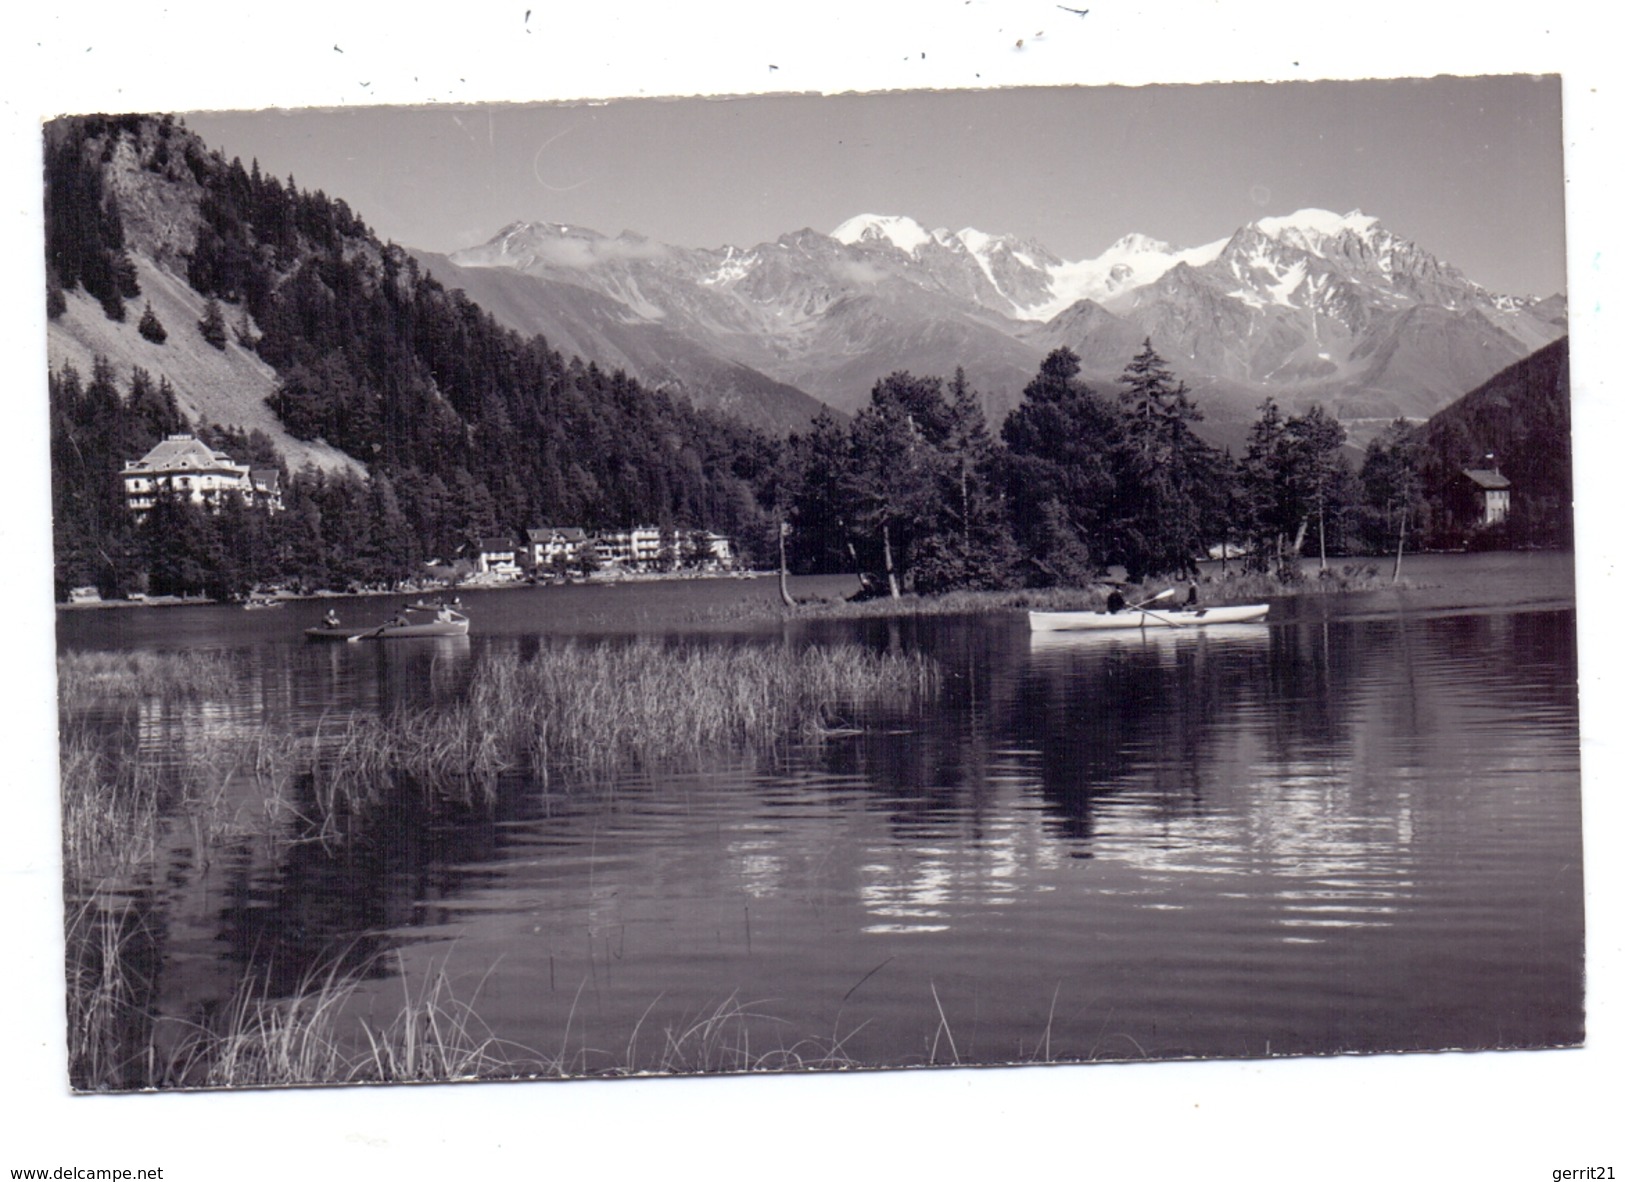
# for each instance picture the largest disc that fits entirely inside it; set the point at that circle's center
(151, 327)
(1058, 473)
(1391, 483)
(817, 506)
(968, 544)
(1168, 501)
(1293, 476)
(213, 324)
(895, 482)
(243, 330)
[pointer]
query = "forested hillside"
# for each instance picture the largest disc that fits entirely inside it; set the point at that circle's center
(465, 428)
(1520, 418)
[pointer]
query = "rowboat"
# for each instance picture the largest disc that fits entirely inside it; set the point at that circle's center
(456, 624)
(1134, 617)
(1212, 638)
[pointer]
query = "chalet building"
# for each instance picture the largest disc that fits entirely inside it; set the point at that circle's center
(188, 467)
(719, 551)
(546, 544)
(1488, 494)
(499, 557)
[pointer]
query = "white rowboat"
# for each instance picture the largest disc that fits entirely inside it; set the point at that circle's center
(1133, 617)
(455, 624)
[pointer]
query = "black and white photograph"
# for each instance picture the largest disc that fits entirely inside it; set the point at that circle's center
(562, 594)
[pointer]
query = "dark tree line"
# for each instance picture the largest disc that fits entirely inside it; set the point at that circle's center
(917, 493)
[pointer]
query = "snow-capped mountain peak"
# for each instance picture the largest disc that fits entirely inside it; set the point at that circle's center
(1137, 243)
(1310, 301)
(1308, 228)
(906, 234)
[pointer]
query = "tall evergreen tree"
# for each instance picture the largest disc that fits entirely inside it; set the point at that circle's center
(213, 324)
(818, 510)
(1169, 496)
(1060, 485)
(181, 546)
(1391, 485)
(1294, 477)
(151, 327)
(894, 481)
(969, 544)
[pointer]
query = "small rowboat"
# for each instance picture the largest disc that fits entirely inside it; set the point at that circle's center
(1216, 638)
(1134, 617)
(455, 625)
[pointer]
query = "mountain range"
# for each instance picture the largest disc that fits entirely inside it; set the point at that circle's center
(1310, 307)
(1313, 307)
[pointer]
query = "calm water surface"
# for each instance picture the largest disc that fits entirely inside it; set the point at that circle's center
(1354, 828)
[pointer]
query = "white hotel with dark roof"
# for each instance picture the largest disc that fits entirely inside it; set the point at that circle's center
(190, 468)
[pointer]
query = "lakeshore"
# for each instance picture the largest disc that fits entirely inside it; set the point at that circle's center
(1342, 575)
(582, 841)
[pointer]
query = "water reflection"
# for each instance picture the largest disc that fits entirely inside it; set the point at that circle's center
(1321, 834)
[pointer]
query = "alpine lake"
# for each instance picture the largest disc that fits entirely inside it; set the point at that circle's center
(1354, 828)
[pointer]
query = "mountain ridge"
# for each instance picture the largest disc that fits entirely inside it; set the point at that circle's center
(1306, 307)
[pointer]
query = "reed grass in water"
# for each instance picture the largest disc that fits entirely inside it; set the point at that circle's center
(576, 710)
(315, 1037)
(318, 1036)
(83, 675)
(597, 710)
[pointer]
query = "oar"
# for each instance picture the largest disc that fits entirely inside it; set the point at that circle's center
(1141, 606)
(1159, 595)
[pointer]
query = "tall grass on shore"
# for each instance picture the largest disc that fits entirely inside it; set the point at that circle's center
(315, 1036)
(322, 1034)
(595, 709)
(88, 675)
(109, 1032)
(728, 1038)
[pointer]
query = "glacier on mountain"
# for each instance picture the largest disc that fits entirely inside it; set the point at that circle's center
(1310, 301)
(906, 234)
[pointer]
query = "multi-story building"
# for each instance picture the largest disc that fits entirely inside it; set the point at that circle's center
(643, 547)
(544, 544)
(187, 467)
(638, 547)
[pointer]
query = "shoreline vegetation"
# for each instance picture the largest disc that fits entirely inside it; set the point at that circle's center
(567, 718)
(1234, 587)
(1341, 575)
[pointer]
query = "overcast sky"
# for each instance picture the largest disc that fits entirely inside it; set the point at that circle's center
(1471, 169)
